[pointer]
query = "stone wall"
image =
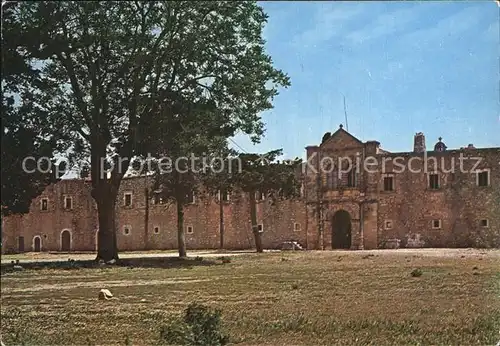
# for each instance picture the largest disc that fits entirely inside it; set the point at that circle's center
(448, 216)
(282, 220)
(458, 213)
(80, 220)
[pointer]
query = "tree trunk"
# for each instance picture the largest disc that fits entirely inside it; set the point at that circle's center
(181, 241)
(105, 192)
(107, 249)
(221, 218)
(146, 218)
(253, 220)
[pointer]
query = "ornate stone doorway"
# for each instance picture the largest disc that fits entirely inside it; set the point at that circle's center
(341, 230)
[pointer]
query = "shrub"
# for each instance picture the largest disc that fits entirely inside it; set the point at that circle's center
(201, 326)
(224, 259)
(416, 273)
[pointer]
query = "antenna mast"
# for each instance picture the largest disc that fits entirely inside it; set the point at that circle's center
(345, 113)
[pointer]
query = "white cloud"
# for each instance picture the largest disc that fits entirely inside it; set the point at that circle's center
(330, 21)
(451, 26)
(385, 24)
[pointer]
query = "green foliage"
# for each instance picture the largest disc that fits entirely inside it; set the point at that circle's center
(264, 173)
(119, 80)
(23, 125)
(126, 72)
(201, 326)
(416, 273)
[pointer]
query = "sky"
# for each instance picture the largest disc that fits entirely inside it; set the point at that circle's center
(403, 67)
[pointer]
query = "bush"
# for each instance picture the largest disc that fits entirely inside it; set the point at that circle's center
(201, 326)
(224, 259)
(416, 273)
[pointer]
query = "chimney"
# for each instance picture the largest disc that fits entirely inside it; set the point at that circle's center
(419, 143)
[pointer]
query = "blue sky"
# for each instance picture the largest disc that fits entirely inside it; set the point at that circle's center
(404, 67)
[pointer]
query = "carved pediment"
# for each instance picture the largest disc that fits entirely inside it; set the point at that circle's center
(341, 139)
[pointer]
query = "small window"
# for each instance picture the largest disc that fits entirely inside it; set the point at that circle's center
(126, 230)
(433, 181)
(128, 199)
(190, 199)
(224, 194)
(260, 228)
(259, 196)
(68, 203)
(351, 178)
(388, 183)
(485, 223)
(157, 198)
(483, 178)
(388, 224)
(296, 226)
(189, 229)
(44, 204)
(436, 224)
(157, 229)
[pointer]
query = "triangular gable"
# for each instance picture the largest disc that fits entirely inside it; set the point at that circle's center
(342, 138)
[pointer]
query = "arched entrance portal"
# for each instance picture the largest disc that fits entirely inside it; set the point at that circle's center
(341, 230)
(37, 244)
(65, 241)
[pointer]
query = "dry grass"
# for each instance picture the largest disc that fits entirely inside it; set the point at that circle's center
(269, 299)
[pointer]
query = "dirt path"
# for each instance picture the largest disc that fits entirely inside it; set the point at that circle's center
(56, 257)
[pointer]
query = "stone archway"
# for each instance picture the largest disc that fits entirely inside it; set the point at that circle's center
(65, 241)
(341, 230)
(37, 244)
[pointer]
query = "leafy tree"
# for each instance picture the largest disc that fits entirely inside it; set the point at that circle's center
(265, 175)
(179, 175)
(22, 141)
(118, 74)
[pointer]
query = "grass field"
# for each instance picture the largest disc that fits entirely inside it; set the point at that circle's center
(301, 298)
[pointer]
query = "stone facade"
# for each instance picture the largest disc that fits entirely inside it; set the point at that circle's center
(147, 224)
(355, 196)
(439, 198)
